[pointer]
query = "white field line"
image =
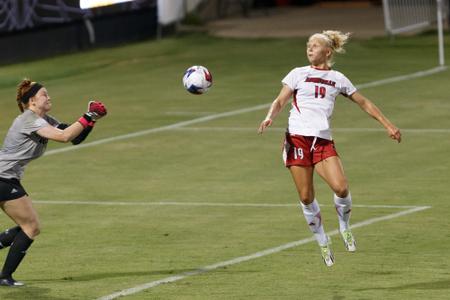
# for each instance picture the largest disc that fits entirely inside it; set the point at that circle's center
(188, 113)
(251, 129)
(206, 204)
(159, 129)
(230, 113)
(402, 77)
(256, 255)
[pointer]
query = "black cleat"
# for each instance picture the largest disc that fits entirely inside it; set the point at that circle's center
(9, 281)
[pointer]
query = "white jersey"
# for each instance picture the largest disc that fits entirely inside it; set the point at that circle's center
(315, 91)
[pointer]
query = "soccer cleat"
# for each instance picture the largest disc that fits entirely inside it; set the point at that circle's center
(349, 240)
(327, 254)
(9, 281)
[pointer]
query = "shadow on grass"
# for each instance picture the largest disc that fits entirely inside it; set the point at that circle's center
(99, 276)
(432, 285)
(27, 292)
(32, 292)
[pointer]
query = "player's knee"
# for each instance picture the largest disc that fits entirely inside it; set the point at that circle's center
(306, 198)
(36, 228)
(341, 190)
(32, 228)
(36, 231)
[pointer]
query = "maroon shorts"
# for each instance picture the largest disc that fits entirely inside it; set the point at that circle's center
(306, 151)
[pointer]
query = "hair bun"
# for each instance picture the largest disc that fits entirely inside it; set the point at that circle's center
(338, 39)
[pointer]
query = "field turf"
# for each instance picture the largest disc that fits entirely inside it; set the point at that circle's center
(103, 226)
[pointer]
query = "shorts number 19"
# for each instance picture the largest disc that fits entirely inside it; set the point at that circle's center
(298, 153)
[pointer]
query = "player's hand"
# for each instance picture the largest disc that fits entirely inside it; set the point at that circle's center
(394, 133)
(264, 124)
(96, 110)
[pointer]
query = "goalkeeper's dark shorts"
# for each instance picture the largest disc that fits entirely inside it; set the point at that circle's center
(11, 189)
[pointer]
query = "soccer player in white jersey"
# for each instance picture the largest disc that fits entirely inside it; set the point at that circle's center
(27, 140)
(308, 144)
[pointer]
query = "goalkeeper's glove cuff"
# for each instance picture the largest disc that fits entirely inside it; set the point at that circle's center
(87, 120)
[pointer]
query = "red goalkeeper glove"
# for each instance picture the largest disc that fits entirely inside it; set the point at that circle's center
(96, 110)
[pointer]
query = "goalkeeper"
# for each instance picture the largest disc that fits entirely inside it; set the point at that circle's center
(26, 140)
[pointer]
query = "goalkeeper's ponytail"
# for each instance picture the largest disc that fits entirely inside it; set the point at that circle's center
(23, 87)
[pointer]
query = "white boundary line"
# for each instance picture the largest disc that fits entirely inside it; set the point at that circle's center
(206, 204)
(231, 113)
(159, 129)
(188, 113)
(256, 255)
(249, 129)
(402, 77)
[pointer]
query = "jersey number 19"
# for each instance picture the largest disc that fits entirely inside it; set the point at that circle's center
(320, 91)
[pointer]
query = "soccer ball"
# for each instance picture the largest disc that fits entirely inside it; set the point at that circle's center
(197, 80)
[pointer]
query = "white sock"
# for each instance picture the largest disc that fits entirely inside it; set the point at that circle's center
(314, 220)
(343, 209)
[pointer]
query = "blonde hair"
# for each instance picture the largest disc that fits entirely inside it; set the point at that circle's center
(335, 40)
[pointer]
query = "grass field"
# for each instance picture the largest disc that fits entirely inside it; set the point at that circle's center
(105, 230)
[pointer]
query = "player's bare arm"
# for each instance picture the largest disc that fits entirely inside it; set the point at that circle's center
(277, 105)
(58, 135)
(375, 112)
(96, 110)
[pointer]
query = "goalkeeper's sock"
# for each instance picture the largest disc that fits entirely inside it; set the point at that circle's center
(16, 253)
(314, 219)
(7, 236)
(343, 209)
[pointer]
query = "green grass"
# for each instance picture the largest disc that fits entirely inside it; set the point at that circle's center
(89, 251)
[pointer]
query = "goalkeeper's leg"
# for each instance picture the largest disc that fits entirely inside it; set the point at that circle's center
(7, 236)
(22, 212)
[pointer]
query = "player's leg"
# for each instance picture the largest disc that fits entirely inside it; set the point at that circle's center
(332, 171)
(7, 236)
(21, 211)
(303, 179)
(9, 190)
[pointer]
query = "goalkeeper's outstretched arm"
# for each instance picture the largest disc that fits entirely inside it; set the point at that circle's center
(61, 135)
(78, 131)
(82, 136)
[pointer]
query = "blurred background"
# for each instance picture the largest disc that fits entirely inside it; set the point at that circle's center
(171, 182)
(63, 26)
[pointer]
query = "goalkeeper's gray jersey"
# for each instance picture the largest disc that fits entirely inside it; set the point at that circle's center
(22, 144)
